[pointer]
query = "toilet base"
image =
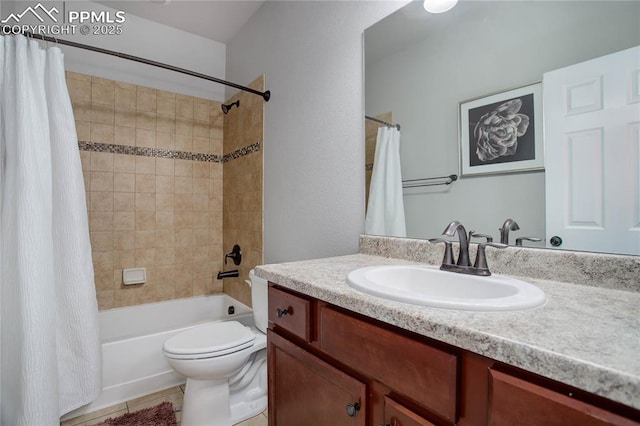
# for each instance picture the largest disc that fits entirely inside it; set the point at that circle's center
(210, 403)
(252, 399)
(212, 406)
(206, 402)
(247, 409)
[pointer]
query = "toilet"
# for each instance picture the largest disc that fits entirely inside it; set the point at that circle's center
(225, 366)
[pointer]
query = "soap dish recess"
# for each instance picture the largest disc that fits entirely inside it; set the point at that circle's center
(134, 276)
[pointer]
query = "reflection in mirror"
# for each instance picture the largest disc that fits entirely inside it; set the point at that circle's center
(419, 68)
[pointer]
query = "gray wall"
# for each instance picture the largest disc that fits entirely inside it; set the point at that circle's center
(6, 6)
(311, 53)
(487, 47)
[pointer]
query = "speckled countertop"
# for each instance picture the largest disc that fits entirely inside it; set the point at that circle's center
(584, 336)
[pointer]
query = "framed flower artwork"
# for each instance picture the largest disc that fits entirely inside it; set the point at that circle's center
(502, 133)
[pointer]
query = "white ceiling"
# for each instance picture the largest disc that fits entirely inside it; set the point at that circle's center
(218, 20)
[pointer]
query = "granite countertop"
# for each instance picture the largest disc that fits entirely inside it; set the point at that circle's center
(584, 336)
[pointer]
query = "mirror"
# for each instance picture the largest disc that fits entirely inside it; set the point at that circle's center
(419, 67)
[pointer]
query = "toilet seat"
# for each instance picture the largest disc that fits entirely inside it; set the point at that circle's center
(209, 340)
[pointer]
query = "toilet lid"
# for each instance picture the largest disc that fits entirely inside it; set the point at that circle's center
(214, 338)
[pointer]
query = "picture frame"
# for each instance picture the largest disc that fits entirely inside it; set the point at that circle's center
(502, 132)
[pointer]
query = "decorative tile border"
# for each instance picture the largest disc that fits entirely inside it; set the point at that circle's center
(166, 153)
(249, 149)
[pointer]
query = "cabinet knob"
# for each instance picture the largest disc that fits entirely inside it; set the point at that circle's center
(282, 312)
(352, 408)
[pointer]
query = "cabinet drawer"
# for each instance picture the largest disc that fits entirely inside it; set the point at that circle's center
(517, 401)
(290, 312)
(396, 414)
(427, 375)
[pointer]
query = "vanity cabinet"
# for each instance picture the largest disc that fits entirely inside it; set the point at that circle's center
(330, 366)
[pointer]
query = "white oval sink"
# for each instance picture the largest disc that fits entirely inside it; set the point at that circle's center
(429, 286)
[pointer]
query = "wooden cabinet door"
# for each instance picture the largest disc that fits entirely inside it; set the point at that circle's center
(514, 401)
(396, 414)
(304, 390)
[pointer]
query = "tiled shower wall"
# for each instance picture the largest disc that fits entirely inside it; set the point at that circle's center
(243, 188)
(152, 162)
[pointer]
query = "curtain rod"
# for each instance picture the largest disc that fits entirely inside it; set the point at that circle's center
(7, 30)
(397, 126)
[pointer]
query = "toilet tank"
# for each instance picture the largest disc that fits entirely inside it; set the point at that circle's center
(259, 301)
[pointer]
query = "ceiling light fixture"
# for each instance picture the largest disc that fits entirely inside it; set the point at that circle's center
(438, 6)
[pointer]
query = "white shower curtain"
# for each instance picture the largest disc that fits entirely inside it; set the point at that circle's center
(50, 349)
(385, 209)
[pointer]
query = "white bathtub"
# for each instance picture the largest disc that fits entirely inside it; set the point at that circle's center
(132, 338)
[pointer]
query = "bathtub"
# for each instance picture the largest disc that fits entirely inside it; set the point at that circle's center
(132, 361)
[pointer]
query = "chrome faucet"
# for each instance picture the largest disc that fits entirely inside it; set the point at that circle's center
(508, 225)
(480, 266)
(463, 265)
(463, 252)
(474, 234)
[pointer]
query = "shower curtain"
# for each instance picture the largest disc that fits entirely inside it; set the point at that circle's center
(385, 209)
(50, 349)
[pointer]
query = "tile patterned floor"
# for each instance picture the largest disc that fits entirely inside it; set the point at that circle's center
(173, 395)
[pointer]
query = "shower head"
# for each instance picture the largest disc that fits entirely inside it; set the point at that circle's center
(226, 108)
